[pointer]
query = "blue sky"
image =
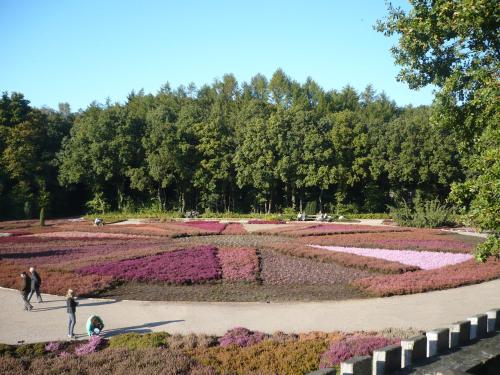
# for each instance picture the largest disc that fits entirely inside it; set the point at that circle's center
(80, 51)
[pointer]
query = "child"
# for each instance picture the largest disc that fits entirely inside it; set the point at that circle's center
(71, 309)
(94, 325)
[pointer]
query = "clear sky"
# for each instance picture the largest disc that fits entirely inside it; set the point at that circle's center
(79, 51)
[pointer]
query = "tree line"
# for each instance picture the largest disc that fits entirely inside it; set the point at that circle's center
(260, 146)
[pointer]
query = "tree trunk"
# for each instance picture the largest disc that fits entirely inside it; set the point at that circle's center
(42, 216)
(160, 203)
(320, 201)
(120, 198)
(183, 202)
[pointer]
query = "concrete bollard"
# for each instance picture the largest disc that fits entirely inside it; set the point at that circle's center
(356, 366)
(478, 325)
(437, 341)
(493, 320)
(413, 349)
(459, 334)
(386, 360)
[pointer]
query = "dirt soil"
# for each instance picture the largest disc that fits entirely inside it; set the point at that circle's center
(232, 292)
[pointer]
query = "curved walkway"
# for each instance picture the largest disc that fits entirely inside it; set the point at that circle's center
(48, 321)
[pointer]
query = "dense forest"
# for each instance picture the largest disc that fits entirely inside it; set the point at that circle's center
(260, 146)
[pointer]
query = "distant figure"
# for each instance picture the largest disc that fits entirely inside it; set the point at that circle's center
(36, 283)
(94, 325)
(71, 309)
(25, 290)
(98, 222)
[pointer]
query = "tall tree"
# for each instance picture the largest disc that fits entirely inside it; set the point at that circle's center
(455, 46)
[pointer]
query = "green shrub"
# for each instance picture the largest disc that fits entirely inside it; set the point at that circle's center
(421, 213)
(311, 208)
(368, 216)
(491, 247)
(98, 204)
(139, 341)
(31, 350)
(289, 214)
(7, 350)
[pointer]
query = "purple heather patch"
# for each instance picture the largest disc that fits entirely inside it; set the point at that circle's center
(179, 266)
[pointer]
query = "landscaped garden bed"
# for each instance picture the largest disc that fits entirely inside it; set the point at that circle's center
(213, 261)
(239, 351)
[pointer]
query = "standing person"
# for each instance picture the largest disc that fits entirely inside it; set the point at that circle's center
(71, 309)
(25, 290)
(36, 283)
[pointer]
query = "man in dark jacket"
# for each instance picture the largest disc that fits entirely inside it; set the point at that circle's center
(25, 290)
(36, 283)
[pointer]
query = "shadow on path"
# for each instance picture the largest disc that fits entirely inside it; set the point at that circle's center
(144, 328)
(82, 304)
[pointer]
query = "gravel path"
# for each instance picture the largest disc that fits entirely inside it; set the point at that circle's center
(48, 321)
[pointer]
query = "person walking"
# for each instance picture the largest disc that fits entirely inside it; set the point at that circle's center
(25, 290)
(36, 283)
(71, 309)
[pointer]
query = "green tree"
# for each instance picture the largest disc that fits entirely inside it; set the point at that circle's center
(455, 46)
(256, 157)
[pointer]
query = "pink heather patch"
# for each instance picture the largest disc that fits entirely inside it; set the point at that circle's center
(266, 222)
(94, 344)
(52, 347)
(234, 228)
(239, 264)
(212, 226)
(83, 235)
(178, 266)
(340, 351)
(426, 260)
(241, 337)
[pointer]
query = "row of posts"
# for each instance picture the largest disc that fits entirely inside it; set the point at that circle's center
(393, 358)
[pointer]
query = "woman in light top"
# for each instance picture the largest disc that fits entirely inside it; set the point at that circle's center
(71, 309)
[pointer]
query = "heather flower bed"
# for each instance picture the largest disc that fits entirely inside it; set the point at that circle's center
(283, 268)
(179, 266)
(425, 260)
(266, 222)
(239, 351)
(344, 259)
(280, 269)
(82, 235)
(357, 345)
(210, 226)
(56, 251)
(432, 240)
(469, 272)
(167, 229)
(234, 229)
(328, 229)
(239, 264)
(55, 281)
(242, 337)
